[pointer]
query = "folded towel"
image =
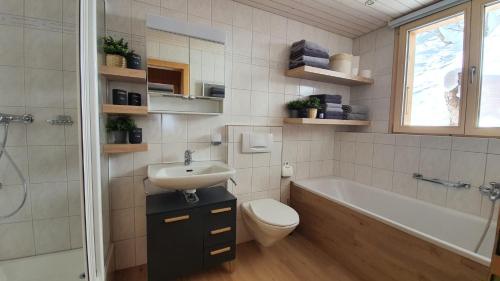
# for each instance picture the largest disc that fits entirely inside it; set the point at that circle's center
(355, 108)
(217, 92)
(293, 65)
(334, 115)
(161, 87)
(332, 105)
(334, 109)
(304, 47)
(328, 98)
(356, 116)
(308, 52)
(309, 59)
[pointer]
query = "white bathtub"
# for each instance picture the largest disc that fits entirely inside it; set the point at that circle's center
(450, 229)
(61, 266)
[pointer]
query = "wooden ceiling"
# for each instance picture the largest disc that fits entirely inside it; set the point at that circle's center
(350, 18)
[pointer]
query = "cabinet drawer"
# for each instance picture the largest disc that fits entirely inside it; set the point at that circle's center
(219, 253)
(218, 234)
(221, 214)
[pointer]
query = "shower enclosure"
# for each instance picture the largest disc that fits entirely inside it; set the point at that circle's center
(43, 129)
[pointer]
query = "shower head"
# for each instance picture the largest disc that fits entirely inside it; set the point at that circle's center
(7, 118)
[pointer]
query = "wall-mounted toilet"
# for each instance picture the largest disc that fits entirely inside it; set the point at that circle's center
(269, 220)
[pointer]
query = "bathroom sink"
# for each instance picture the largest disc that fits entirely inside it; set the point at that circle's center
(177, 176)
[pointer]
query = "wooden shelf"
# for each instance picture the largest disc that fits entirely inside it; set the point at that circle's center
(337, 122)
(124, 109)
(125, 148)
(123, 74)
(329, 76)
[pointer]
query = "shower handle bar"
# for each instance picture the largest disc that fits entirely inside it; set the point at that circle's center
(441, 182)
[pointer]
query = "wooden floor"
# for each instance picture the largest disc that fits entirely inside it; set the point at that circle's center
(292, 259)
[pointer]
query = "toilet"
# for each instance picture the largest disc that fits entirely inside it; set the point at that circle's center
(269, 220)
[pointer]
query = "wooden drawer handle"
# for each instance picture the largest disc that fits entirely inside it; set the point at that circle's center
(221, 210)
(220, 251)
(175, 219)
(220, 230)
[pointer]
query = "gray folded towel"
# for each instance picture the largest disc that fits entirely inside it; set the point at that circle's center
(307, 45)
(362, 109)
(333, 105)
(334, 109)
(356, 116)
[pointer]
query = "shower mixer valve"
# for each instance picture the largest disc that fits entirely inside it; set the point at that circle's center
(492, 190)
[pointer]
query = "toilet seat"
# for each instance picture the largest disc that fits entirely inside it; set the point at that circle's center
(274, 213)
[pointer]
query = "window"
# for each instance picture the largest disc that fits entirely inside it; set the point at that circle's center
(447, 77)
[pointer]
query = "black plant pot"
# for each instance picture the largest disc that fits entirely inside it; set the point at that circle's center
(135, 136)
(303, 113)
(134, 61)
(119, 97)
(134, 99)
(293, 113)
(118, 137)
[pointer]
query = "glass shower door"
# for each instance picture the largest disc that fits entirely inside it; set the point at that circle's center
(41, 235)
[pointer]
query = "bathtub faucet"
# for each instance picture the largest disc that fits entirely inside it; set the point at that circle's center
(492, 190)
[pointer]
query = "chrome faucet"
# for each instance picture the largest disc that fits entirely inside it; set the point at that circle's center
(188, 157)
(7, 118)
(492, 190)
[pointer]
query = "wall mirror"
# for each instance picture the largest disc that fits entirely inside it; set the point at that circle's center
(185, 73)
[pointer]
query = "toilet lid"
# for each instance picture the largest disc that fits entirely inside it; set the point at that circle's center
(273, 212)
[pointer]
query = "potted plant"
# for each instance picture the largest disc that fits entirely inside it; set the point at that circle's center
(115, 50)
(313, 104)
(294, 108)
(133, 60)
(119, 128)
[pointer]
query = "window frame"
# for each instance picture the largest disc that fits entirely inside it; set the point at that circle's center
(401, 67)
(476, 54)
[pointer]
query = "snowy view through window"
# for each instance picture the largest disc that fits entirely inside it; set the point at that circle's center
(438, 53)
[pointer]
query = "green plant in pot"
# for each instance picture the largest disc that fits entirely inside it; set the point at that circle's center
(294, 107)
(313, 104)
(118, 129)
(116, 51)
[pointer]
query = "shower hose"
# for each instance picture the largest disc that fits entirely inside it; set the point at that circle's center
(492, 210)
(18, 172)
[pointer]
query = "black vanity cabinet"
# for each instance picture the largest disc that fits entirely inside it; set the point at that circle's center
(184, 238)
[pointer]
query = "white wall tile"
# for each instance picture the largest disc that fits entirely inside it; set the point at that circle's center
(52, 235)
(382, 178)
(404, 184)
(11, 51)
(435, 163)
(383, 156)
(470, 144)
(406, 159)
(49, 200)
(122, 192)
(468, 167)
(43, 49)
(17, 240)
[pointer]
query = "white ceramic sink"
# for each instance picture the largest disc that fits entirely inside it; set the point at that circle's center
(176, 176)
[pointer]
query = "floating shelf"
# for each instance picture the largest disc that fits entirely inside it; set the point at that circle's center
(123, 74)
(125, 148)
(338, 122)
(124, 109)
(329, 76)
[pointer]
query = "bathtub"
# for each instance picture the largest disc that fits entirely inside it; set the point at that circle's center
(61, 266)
(348, 207)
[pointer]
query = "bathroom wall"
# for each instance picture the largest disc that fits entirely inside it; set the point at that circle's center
(256, 91)
(38, 75)
(387, 161)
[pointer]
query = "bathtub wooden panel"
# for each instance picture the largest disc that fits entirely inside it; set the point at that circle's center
(376, 251)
